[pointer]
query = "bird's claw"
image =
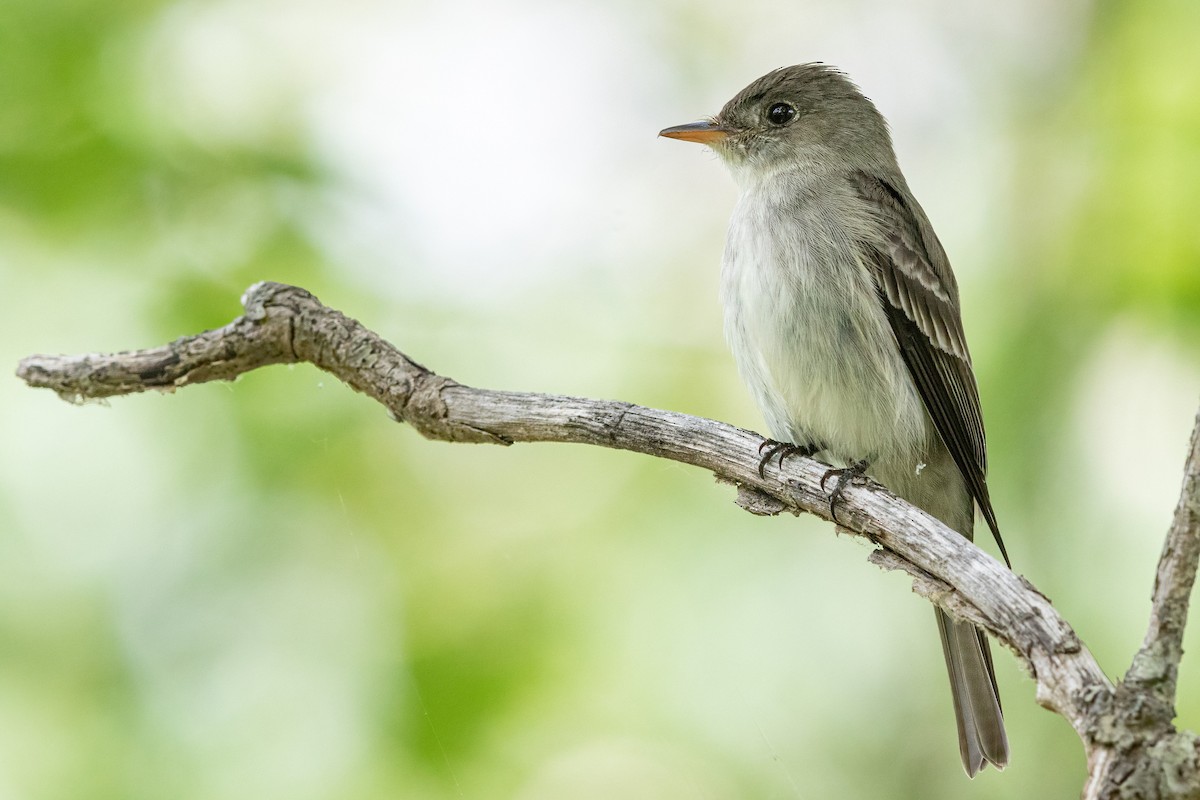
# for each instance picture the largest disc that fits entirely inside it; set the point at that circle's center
(783, 450)
(845, 475)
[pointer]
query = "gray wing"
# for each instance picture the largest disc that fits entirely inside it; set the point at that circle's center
(919, 295)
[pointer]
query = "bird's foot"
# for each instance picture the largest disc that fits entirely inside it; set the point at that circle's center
(770, 449)
(845, 476)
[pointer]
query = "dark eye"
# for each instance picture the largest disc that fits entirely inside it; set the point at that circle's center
(780, 114)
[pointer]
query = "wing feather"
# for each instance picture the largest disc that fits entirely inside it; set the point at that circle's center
(920, 298)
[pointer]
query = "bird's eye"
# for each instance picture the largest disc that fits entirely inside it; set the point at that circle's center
(780, 114)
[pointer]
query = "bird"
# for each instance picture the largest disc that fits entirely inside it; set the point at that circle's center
(842, 314)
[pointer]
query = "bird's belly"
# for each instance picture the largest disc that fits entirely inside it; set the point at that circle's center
(812, 343)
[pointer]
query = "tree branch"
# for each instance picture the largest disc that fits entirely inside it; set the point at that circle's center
(1150, 754)
(1156, 666)
(285, 324)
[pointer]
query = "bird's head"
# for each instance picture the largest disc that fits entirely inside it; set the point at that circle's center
(806, 117)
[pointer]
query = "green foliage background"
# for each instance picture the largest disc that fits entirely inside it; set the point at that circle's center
(270, 590)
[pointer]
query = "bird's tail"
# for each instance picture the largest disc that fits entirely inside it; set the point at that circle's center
(981, 737)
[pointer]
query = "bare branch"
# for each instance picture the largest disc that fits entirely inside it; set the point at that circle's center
(1143, 755)
(1156, 665)
(285, 324)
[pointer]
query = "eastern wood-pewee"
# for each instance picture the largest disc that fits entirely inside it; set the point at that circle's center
(843, 316)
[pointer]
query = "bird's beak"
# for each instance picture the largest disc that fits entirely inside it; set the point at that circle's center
(707, 132)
